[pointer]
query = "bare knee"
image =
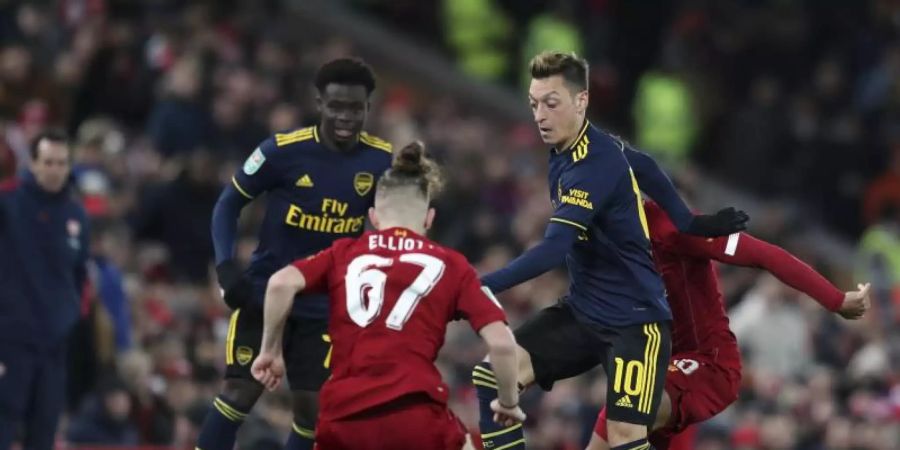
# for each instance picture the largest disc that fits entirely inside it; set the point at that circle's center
(597, 443)
(241, 393)
(305, 405)
(621, 433)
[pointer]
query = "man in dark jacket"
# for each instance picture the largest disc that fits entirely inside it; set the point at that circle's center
(43, 251)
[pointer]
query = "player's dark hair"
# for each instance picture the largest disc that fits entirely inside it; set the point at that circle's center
(346, 71)
(413, 167)
(573, 68)
(50, 134)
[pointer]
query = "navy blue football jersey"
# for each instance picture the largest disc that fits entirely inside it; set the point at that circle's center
(315, 196)
(592, 188)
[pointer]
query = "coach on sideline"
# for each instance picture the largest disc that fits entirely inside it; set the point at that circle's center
(43, 252)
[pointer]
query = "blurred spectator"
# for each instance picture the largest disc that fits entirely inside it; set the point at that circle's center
(479, 32)
(104, 419)
(180, 122)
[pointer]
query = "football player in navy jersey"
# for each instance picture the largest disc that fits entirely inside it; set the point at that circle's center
(320, 185)
(615, 313)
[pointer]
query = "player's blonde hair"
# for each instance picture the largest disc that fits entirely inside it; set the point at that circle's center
(412, 168)
(570, 66)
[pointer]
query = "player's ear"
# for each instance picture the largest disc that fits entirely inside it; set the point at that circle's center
(581, 101)
(429, 218)
(373, 217)
(319, 102)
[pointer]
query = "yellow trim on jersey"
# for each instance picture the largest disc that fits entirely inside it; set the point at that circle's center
(240, 189)
(316, 133)
(503, 431)
(643, 446)
(485, 384)
(651, 353)
(510, 445)
(640, 204)
(304, 432)
(303, 134)
(569, 222)
(229, 338)
(376, 142)
(581, 149)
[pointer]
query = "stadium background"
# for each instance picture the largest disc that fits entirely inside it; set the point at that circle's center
(787, 108)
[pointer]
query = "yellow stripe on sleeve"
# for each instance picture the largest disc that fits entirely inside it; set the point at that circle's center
(240, 189)
(569, 222)
(485, 384)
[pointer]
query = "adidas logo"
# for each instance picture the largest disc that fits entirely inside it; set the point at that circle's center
(624, 402)
(304, 181)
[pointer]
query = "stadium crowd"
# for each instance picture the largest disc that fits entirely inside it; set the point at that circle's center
(164, 100)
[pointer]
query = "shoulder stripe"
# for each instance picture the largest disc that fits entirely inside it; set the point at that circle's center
(240, 189)
(376, 142)
(294, 136)
(569, 222)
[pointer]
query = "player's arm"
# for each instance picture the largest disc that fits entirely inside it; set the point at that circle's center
(484, 313)
(543, 257)
(655, 183)
(742, 249)
(256, 176)
(309, 274)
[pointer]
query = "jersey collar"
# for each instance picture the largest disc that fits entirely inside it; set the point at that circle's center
(584, 128)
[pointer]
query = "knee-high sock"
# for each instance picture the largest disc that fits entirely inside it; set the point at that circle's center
(494, 436)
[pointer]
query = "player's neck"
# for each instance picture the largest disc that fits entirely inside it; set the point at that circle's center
(576, 133)
(387, 224)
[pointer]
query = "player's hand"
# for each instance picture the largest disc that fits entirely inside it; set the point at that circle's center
(507, 417)
(856, 303)
(722, 223)
(268, 369)
(236, 288)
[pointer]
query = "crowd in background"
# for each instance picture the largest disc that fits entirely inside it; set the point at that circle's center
(164, 99)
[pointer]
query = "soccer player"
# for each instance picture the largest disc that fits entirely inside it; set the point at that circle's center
(320, 183)
(616, 312)
(704, 374)
(392, 293)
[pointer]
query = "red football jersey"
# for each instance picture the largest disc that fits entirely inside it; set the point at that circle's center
(692, 286)
(392, 293)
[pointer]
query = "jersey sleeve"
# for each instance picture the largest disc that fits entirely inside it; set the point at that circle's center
(742, 249)
(315, 269)
(475, 304)
(259, 172)
(585, 188)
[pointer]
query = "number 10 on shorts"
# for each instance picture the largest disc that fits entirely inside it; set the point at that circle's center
(633, 374)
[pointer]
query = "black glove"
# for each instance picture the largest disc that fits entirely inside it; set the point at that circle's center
(722, 223)
(237, 288)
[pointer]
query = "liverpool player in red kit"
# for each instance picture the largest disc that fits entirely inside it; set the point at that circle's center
(392, 293)
(705, 369)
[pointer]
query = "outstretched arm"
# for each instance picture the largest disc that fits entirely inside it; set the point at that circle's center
(655, 183)
(742, 249)
(545, 256)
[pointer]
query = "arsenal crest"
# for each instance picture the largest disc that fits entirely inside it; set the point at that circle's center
(244, 355)
(363, 182)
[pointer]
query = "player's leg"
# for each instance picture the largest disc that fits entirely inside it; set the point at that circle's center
(599, 436)
(48, 397)
(636, 368)
(17, 367)
(307, 353)
(241, 390)
(552, 346)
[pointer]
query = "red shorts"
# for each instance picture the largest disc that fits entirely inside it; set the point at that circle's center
(699, 386)
(399, 425)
